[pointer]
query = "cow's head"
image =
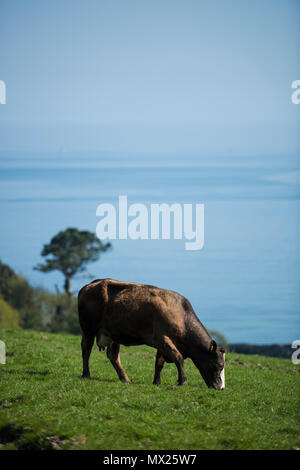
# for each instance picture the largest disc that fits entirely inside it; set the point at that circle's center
(211, 366)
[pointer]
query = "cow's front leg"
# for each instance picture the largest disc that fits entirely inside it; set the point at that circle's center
(159, 363)
(86, 348)
(113, 354)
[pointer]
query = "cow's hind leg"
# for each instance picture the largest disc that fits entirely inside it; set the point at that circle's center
(159, 363)
(113, 354)
(170, 352)
(87, 343)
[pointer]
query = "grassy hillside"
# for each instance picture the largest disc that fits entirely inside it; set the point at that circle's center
(44, 404)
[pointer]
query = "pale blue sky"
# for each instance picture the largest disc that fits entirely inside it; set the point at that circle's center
(152, 77)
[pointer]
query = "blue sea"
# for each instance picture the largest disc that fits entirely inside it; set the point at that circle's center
(245, 280)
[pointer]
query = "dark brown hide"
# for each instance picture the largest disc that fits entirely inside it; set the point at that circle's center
(131, 314)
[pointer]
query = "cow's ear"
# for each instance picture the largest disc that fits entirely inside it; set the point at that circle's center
(213, 346)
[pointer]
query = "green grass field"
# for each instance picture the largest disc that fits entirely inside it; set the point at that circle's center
(45, 404)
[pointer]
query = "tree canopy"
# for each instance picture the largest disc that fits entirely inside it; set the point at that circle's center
(70, 251)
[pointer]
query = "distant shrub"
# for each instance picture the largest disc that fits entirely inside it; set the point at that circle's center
(63, 316)
(37, 309)
(6, 275)
(9, 317)
(20, 295)
(219, 338)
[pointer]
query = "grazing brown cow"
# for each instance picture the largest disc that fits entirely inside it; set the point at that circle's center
(131, 314)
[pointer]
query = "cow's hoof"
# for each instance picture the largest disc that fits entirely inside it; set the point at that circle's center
(125, 381)
(156, 382)
(182, 383)
(85, 376)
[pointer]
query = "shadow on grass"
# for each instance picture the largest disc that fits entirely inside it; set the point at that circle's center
(114, 381)
(42, 373)
(24, 438)
(95, 379)
(37, 372)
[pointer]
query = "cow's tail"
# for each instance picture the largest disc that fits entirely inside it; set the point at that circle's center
(92, 300)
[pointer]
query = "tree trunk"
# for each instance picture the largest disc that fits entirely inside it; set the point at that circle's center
(67, 285)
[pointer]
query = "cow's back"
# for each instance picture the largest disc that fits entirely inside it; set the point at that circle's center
(94, 301)
(130, 313)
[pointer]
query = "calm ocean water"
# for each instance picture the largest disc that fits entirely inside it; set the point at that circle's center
(244, 282)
